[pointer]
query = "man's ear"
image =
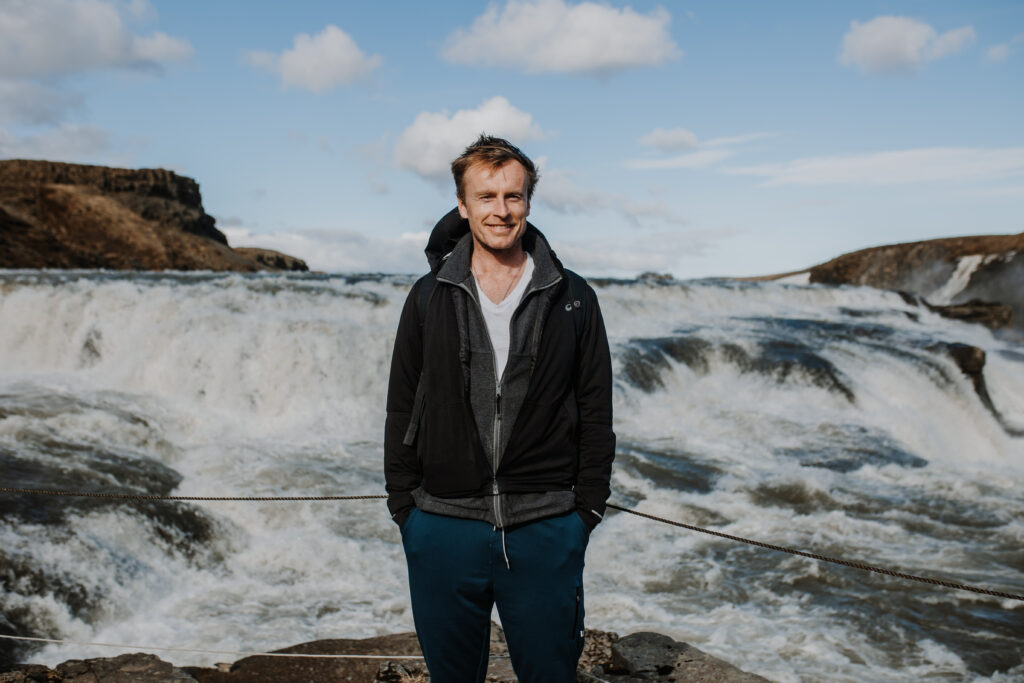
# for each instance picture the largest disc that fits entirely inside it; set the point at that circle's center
(462, 209)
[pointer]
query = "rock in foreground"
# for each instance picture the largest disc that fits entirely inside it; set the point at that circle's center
(637, 657)
(56, 215)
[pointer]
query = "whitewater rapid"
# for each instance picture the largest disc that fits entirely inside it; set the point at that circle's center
(833, 420)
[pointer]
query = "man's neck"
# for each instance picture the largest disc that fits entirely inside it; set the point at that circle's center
(486, 261)
(497, 272)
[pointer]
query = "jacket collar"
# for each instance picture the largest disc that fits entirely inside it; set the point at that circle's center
(450, 251)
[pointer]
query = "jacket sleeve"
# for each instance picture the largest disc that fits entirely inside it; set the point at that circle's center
(594, 399)
(402, 471)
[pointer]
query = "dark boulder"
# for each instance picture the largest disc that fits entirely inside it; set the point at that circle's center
(655, 657)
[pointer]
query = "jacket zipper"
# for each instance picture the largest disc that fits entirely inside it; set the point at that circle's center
(497, 439)
(496, 432)
(496, 423)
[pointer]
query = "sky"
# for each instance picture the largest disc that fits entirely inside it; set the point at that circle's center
(699, 139)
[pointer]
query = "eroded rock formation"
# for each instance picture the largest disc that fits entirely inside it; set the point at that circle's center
(57, 215)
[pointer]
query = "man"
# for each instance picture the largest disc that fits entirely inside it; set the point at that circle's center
(498, 442)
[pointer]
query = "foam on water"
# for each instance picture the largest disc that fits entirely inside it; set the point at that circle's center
(829, 419)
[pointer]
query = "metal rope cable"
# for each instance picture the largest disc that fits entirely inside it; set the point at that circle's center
(210, 652)
(681, 525)
(823, 558)
(207, 499)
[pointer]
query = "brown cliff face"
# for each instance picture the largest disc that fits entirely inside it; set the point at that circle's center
(57, 215)
(914, 265)
(986, 268)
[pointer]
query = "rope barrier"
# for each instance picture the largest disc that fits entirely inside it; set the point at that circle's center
(203, 499)
(681, 525)
(56, 641)
(823, 558)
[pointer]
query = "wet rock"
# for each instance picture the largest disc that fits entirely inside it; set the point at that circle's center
(30, 673)
(655, 657)
(406, 672)
(258, 669)
(988, 313)
(274, 260)
(131, 668)
(651, 277)
(971, 361)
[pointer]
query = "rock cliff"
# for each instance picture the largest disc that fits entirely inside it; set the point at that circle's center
(979, 277)
(57, 215)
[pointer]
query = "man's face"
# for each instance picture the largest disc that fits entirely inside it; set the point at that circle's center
(495, 204)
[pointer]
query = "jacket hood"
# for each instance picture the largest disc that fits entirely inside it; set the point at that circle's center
(452, 227)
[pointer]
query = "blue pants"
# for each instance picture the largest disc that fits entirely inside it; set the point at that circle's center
(457, 571)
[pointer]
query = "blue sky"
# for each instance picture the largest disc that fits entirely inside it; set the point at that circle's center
(697, 138)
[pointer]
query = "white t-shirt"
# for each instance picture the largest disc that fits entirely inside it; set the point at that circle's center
(499, 317)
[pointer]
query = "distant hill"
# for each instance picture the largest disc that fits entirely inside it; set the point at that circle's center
(57, 215)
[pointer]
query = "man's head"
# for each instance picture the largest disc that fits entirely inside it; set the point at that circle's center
(494, 182)
(492, 152)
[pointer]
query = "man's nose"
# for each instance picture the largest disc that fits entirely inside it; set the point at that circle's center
(501, 207)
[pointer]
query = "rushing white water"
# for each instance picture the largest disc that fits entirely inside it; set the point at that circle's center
(829, 419)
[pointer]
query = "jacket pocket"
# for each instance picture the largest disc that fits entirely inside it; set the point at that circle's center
(417, 413)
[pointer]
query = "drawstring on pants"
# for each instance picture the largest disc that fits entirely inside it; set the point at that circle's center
(504, 550)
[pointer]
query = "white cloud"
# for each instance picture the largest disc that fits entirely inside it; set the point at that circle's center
(55, 37)
(561, 194)
(701, 159)
(658, 252)
(669, 139)
(160, 47)
(998, 53)
(738, 139)
(340, 251)
(434, 139)
(998, 191)
(551, 36)
(708, 153)
(935, 164)
(1001, 52)
(65, 143)
(30, 103)
(892, 44)
(318, 63)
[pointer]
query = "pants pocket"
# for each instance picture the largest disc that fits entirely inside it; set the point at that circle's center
(578, 629)
(404, 529)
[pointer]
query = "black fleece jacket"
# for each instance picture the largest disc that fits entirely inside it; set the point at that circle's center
(453, 433)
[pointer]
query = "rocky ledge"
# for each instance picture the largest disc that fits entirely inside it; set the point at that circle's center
(57, 215)
(607, 657)
(978, 278)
